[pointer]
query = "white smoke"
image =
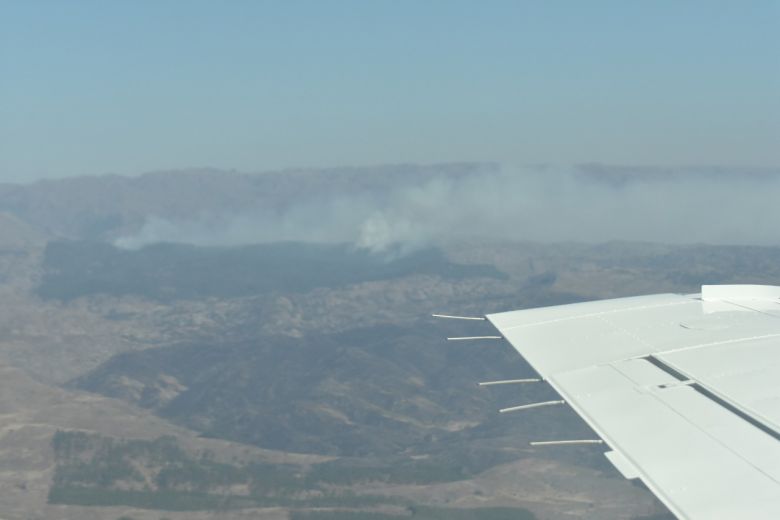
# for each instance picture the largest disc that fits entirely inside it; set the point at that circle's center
(516, 204)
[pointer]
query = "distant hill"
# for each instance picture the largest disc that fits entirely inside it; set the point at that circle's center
(16, 234)
(367, 392)
(106, 207)
(176, 271)
(621, 175)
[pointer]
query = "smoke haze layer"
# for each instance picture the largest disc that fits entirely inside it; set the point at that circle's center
(585, 204)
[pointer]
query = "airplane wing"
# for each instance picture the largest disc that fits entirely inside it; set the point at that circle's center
(684, 389)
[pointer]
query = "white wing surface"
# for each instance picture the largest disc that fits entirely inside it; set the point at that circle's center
(684, 389)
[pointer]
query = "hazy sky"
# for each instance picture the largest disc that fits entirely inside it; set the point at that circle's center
(89, 87)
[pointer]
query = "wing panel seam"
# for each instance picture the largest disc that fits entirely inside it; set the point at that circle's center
(591, 315)
(713, 396)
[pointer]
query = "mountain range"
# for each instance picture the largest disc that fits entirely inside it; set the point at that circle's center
(292, 379)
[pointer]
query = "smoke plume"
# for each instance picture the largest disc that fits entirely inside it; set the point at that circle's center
(585, 204)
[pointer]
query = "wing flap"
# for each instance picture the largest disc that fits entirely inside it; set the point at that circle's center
(702, 460)
(626, 468)
(743, 373)
(686, 392)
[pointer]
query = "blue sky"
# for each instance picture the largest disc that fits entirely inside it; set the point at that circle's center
(91, 87)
